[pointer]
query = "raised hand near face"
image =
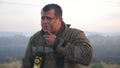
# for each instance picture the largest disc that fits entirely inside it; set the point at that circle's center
(50, 38)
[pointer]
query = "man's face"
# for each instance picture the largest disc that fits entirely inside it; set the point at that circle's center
(49, 21)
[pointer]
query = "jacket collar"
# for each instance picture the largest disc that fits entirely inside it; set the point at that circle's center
(63, 28)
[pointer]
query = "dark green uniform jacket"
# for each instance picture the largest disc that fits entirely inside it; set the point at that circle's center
(71, 49)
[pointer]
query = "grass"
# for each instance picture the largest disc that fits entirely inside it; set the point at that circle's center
(14, 64)
(17, 64)
(105, 65)
(97, 66)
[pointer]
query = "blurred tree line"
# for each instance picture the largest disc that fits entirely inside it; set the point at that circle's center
(12, 47)
(106, 48)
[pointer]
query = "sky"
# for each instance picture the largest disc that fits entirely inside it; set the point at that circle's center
(86, 15)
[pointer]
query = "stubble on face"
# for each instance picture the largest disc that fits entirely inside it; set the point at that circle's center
(48, 21)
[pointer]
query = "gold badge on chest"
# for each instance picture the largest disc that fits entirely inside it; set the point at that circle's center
(37, 62)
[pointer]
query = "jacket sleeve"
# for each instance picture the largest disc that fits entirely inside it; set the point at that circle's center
(27, 59)
(78, 50)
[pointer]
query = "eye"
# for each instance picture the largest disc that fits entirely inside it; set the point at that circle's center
(48, 18)
(42, 17)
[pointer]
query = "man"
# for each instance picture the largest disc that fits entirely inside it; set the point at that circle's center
(57, 45)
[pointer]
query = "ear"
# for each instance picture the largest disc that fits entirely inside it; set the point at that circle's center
(60, 19)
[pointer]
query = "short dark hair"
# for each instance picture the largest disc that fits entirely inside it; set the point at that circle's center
(57, 8)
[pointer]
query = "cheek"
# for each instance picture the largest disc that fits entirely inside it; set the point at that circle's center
(54, 26)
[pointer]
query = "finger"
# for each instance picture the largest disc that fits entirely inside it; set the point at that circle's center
(47, 32)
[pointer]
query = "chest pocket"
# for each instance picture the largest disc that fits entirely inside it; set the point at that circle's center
(38, 46)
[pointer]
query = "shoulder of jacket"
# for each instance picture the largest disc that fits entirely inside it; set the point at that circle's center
(74, 30)
(35, 35)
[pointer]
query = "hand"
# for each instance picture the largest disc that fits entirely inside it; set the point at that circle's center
(50, 38)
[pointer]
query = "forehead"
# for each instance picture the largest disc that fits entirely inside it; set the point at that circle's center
(50, 12)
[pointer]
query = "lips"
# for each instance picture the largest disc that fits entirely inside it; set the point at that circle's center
(46, 27)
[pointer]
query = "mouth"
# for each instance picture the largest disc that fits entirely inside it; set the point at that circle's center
(46, 28)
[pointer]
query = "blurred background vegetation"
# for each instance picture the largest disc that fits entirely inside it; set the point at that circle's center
(106, 49)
